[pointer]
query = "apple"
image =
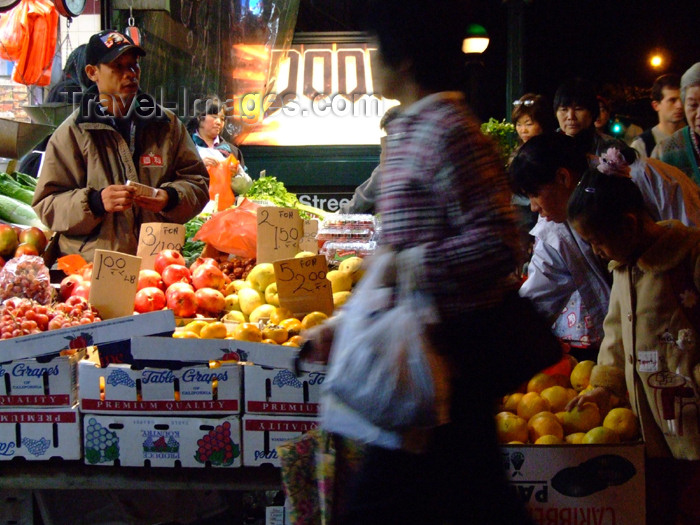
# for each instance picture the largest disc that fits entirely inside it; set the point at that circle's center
(300, 255)
(210, 302)
(149, 299)
(150, 278)
(249, 300)
(340, 281)
(176, 273)
(231, 302)
(82, 290)
(68, 284)
(238, 284)
(9, 240)
(167, 257)
(34, 236)
(264, 311)
(353, 266)
(271, 295)
(177, 287)
(208, 276)
(261, 276)
(182, 301)
(340, 298)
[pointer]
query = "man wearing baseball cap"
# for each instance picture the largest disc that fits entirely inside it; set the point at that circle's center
(118, 135)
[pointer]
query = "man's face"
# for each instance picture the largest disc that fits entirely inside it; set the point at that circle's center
(692, 113)
(670, 108)
(119, 77)
(573, 119)
(550, 201)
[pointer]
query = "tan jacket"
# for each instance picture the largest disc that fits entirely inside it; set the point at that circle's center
(642, 338)
(86, 154)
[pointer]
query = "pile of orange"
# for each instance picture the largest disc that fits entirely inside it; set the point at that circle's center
(537, 414)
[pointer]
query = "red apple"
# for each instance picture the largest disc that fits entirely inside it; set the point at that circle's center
(177, 287)
(83, 290)
(210, 302)
(34, 236)
(8, 240)
(167, 257)
(182, 302)
(148, 278)
(176, 273)
(149, 300)
(208, 276)
(68, 284)
(203, 260)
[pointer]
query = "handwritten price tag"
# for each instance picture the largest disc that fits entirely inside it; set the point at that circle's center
(279, 233)
(115, 277)
(302, 285)
(308, 241)
(155, 237)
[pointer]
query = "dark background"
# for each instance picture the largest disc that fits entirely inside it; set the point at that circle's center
(605, 41)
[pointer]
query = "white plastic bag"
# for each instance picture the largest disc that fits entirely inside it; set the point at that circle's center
(379, 365)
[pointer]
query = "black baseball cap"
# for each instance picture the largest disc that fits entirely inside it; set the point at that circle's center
(107, 45)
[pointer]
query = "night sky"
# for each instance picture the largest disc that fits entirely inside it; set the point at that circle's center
(606, 41)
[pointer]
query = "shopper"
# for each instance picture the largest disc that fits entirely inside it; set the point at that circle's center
(532, 115)
(651, 331)
(118, 134)
(445, 209)
(566, 280)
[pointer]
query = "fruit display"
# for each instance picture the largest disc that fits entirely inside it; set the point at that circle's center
(22, 316)
(538, 413)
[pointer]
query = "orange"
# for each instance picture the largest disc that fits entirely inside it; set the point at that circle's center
(275, 332)
(549, 440)
(600, 435)
(510, 427)
(624, 422)
(269, 342)
(296, 340)
(540, 381)
(511, 402)
(542, 424)
(581, 375)
(291, 343)
(184, 334)
(280, 314)
(530, 404)
(247, 332)
(558, 397)
(292, 324)
(313, 319)
(214, 330)
(580, 419)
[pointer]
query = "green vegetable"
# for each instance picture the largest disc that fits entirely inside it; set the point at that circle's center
(25, 180)
(193, 249)
(503, 133)
(270, 189)
(12, 210)
(10, 188)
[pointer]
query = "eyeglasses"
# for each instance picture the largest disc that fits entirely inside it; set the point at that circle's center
(528, 102)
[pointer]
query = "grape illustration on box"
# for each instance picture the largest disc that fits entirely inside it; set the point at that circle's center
(36, 447)
(101, 445)
(286, 378)
(217, 447)
(120, 377)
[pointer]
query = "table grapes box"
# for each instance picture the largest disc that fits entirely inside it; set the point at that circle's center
(262, 434)
(161, 441)
(280, 391)
(37, 434)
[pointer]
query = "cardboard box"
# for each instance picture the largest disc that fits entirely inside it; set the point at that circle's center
(602, 484)
(189, 389)
(279, 391)
(42, 382)
(39, 433)
(138, 441)
(263, 434)
(100, 333)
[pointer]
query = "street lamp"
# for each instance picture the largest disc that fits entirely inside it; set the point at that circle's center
(475, 43)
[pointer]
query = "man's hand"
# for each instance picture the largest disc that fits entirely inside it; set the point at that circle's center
(117, 198)
(599, 395)
(154, 204)
(209, 162)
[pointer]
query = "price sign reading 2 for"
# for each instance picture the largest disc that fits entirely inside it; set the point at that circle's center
(155, 237)
(302, 285)
(114, 281)
(279, 233)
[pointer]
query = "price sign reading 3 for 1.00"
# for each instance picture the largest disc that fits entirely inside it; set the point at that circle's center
(114, 282)
(302, 285)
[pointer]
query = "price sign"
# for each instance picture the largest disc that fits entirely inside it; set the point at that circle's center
(155, 237)
(308, 241)
(302, 285)
(115, 277)
(279, 233)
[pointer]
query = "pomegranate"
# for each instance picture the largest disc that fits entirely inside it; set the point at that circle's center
(182, 302)
(149, 299)
(203, 260)
(167, 257)
(176, 287)
(208, 276)
(82, 290)
(176, 273)
(68, 284)
(149, 278)
(210, 302)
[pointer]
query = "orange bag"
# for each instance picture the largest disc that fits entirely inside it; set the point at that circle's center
(220, 182)
(12, 32)
(234, 230)
(36, 57)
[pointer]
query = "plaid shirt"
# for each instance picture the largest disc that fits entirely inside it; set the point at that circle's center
(444, 202)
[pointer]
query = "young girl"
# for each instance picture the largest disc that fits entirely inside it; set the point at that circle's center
(648, 350)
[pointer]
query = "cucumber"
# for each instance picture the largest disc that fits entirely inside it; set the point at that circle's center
(10, 188)
(12, 210)
(25, 180)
